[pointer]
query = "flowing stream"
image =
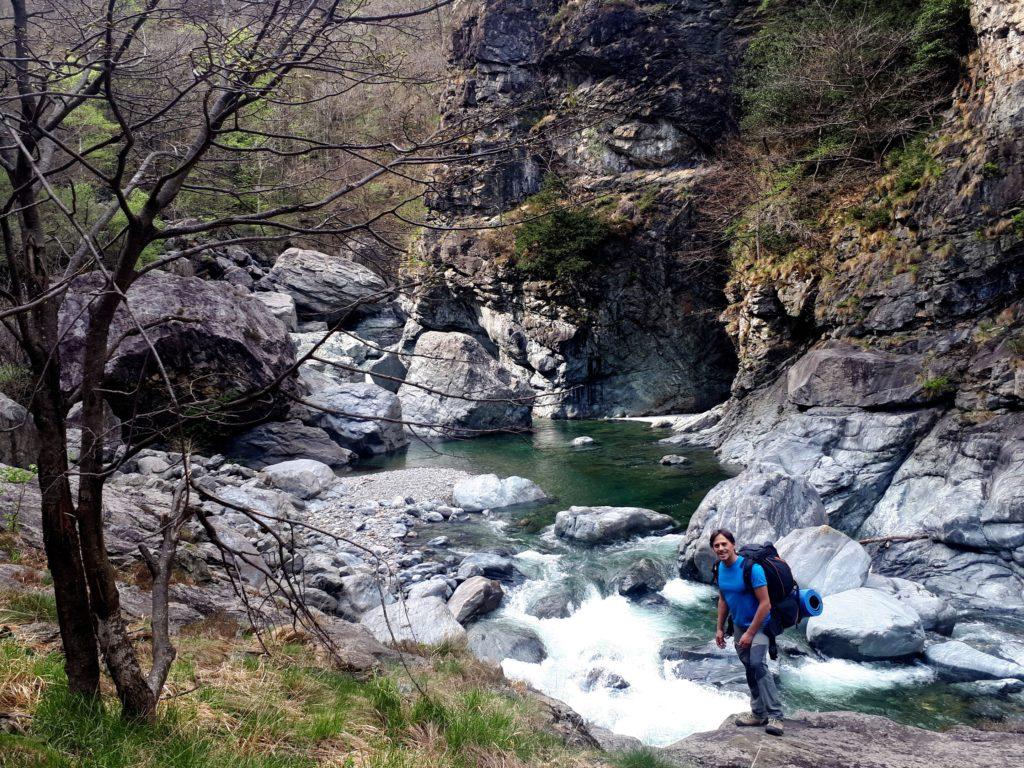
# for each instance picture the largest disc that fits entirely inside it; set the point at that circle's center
(611, 637)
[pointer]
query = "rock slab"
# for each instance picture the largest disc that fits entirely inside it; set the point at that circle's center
(825, 559)
(600, 525)
(491, 492)
(426, 620)
(866, 625)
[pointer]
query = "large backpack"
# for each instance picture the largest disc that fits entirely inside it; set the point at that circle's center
(783, 591)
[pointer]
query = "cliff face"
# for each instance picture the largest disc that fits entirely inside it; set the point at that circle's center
(624, 102)
(892, 374)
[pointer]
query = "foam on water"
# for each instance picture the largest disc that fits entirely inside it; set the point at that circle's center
(685, 593)
(613, 634)
(838, 676)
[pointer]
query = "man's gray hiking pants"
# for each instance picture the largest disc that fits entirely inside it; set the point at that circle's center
(764, 696)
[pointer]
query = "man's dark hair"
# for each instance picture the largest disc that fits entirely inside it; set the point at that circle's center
(721, 532)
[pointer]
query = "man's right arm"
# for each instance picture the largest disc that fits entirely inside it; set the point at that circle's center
(723, 611)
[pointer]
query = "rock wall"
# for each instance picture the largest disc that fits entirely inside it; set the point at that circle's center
(900, 396)
(623, 102)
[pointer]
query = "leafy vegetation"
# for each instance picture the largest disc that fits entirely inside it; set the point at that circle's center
(16, 475)
(937, 386)
(557, 241)
(15, 381)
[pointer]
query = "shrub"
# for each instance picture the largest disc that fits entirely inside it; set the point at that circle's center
(15, 382)
(560, 242)
(827, 81)
(937, 386)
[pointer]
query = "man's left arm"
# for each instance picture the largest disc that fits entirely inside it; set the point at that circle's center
(764, 605)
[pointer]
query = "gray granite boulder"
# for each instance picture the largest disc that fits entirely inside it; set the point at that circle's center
(475, 597)
(956, 661)
(558, 602)
(426, 620)
(762, 503)
(842, 374)
(499, 640)
(324, 287)
(304, 478)
(387, 371)
(281, 306)
(360, 417)
(937, 615)
(279, 441)
(825, 559)
(866, 625)
(220, 342)
(601, 525)
(259, 501)
(462, 390)
(491, 492)
(486, 564)
(19, 441)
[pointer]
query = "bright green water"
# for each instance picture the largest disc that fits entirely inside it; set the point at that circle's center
(620, 469)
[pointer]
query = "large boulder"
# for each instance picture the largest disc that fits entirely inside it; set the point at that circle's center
(957, 661)
(275, 442)
(454, 388)
(363, 418)
(19, 441)
(866, 625)
(842, 374)
(762, 503)
(304, 478)
(324, 287)
(825, 559)
(601, 525)
(491, 492)
(488, 564)
(475, 597)
(426, 620)
(937, 615)
(499, 640)
(337, 359)
(213, 342)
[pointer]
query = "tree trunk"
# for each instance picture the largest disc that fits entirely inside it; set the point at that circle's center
(60, 540)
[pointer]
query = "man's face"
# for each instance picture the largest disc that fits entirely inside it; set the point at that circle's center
(723, 548)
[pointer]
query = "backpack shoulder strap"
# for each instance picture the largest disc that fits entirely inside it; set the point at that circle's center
(748, 571)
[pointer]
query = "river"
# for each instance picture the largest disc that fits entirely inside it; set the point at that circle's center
(608, 632)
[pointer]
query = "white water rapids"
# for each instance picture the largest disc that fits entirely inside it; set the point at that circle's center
(614, 634)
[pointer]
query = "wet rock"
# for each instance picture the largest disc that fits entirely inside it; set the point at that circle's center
(556, 603)
(675, 460)
(19, 441)
(324, 287)
(581, 441)
(866, 625)
(471, 391)
(282, 441)
(425, 620)
(717, 667)
(992, 640)
(304, 478)
(762, 503)
(387, 371)
(598, 677)
(475, 597)
(601, 525)
(486, 564)
(360, 417)
(281, 306)
(825, 559)
(497, 640)
(489, 492)
(644, 577)
(955, 660)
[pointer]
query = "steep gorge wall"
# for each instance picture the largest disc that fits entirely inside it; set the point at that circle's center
(624, 102)
(892, 374)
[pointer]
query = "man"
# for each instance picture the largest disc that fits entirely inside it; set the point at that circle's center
(750, 609)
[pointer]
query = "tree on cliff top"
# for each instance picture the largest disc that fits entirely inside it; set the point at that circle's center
(112, 113)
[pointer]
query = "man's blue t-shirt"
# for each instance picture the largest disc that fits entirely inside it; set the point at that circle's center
(742, 602)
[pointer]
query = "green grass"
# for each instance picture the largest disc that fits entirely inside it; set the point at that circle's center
(641, 758)
(937, 386)
(29, 605)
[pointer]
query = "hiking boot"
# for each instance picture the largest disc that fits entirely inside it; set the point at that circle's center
(774, 726)
(749, 718)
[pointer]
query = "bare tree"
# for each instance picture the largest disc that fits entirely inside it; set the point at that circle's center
(116, 118)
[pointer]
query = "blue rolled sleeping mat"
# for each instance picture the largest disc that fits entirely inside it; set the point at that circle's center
(811, 603)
